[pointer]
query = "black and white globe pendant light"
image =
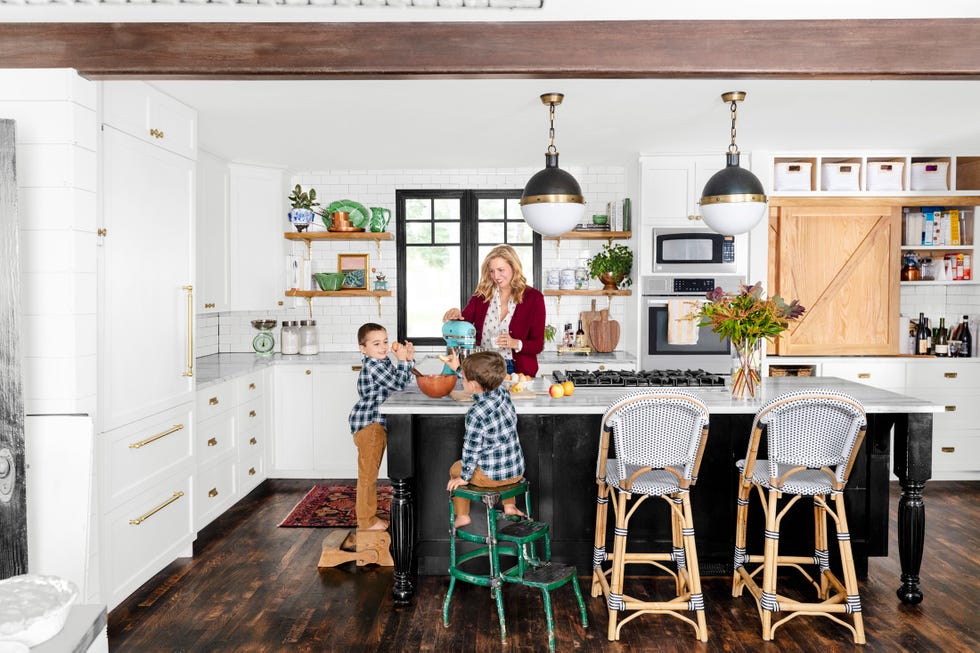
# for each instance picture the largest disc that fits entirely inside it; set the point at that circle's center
(733, 201)
(552, 202)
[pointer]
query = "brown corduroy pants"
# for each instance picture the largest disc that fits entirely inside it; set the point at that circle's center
(462, 506)
(370, 442)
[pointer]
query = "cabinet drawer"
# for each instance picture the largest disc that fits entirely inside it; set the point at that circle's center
(251, 426)
(250, 386)
(956, 452)
(887, 375)
(215, 437)
(146, 533)
(961, 408)
(215, 399)
(251, 472)
(943, 374)
(144, 112)
(214, 491)
(140, 454)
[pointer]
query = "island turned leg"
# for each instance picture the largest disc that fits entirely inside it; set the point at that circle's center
(402, 538)
(913, 466)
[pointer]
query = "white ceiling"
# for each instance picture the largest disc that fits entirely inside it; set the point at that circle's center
(416, 124)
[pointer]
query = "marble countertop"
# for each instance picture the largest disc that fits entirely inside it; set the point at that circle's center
(591, 401)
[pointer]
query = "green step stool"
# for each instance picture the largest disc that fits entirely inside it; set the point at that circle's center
(509, 537)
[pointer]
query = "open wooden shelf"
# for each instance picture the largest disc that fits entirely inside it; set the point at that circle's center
(338, 235)
(348, 292)
(586, 292)
(592, 235)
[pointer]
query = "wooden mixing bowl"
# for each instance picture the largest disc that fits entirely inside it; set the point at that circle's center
(436, 385)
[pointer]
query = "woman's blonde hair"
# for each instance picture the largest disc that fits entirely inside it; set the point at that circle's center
(517, 284)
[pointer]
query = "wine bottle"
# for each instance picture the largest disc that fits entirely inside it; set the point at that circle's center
(580, 335)
(966, 338)
(942, 339)
(922, 336)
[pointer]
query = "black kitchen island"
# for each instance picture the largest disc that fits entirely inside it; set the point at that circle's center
(560, 440)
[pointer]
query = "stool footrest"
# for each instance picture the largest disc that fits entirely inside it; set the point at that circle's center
(521, 532)
(548, 574)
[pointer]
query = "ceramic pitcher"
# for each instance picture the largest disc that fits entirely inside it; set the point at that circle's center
(379, 218)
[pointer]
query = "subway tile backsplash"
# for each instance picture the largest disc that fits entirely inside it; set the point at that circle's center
(338, 319)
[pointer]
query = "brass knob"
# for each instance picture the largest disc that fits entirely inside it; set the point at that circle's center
(213, 492)
(309, 371)
(251, 386)
(253, 441)
(251, 413)
(251, 471)
(213, 442)
(213, 401)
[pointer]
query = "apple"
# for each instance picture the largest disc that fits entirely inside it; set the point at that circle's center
(568, 387)
(556, 390)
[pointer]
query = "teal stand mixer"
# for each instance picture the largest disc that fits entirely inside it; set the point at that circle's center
(460, 339)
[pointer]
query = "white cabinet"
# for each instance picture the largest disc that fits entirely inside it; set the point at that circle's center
(213, 235)
(878, 373)
(140, 110)
(670, 187)
(956, 431)
(312, 435)
(145, 277)
(257, 250)
(241, 253)
(145, 333)
(230, 444)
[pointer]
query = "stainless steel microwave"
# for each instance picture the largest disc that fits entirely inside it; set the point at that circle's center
(695, 251)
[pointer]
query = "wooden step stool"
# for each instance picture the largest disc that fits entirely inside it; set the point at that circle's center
(364, 546)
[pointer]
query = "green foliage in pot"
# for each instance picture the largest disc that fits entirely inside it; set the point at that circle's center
(303, 200)
(617, 260)
(549, 332)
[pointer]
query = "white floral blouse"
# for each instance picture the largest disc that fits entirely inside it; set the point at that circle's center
(494, 326)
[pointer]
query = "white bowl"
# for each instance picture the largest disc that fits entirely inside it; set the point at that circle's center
(33, 608)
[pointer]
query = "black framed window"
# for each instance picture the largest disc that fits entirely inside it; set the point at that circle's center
(442, 237)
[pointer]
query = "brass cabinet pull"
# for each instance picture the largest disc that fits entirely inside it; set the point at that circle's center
(172, 429)
(950, 409)
(251, 386)
(251, 413)
(253, 441)
(864, 375)
(948, 449)
(213, 442)
(309, 371)
(213, 492)
(950, 375)
(251, 471)
(213, 401)
(208, 305)
(190, 327)
(354, 368)
(142, 518)
(156, 133)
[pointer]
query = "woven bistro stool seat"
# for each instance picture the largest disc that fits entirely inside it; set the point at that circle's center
(812, 439)
(510, 554)
(659, 437)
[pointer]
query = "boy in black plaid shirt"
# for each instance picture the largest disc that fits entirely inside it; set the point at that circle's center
(376, 382)
(492, 455)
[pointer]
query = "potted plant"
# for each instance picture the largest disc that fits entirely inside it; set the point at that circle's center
(612, 266)
(302, 212)
(746, 318)
(549, 332)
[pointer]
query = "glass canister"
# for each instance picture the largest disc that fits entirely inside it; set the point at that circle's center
(308, 339)
(289, 337)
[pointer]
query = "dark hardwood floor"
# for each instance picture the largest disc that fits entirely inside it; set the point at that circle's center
(252, 586)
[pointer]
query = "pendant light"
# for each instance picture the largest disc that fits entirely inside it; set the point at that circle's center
(733, 201)
(552, 202)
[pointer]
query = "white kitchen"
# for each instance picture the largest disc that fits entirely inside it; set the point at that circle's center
(152, 229)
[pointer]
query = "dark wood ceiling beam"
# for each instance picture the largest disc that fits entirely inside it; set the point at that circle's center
(787, 49)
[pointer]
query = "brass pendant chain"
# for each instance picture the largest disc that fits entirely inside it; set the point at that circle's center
(733, 148)
(551, 131)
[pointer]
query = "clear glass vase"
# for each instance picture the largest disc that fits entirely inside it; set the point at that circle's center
(746, 368)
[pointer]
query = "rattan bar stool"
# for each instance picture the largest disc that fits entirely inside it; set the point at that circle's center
(508, 537)
(812, 439)
(659, 437)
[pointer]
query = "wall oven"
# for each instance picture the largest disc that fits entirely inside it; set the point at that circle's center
(697, 251)
(709, 354)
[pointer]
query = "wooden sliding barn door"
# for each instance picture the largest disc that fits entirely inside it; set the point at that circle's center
(13, 496)
(841, 260)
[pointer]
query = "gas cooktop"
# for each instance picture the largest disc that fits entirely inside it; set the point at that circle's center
(643, 378)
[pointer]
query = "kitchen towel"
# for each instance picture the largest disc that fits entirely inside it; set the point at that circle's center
(682, 321)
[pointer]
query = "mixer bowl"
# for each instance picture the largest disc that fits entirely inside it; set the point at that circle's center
(436, 385)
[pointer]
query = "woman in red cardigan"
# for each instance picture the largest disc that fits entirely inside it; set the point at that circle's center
(508, 314)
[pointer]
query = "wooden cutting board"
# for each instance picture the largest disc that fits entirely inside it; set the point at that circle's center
(604, 333)
(588, 317)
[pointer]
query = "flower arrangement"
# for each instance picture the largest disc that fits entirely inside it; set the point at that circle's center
(747, 318)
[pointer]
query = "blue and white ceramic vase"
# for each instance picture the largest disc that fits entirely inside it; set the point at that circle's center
(301, 218)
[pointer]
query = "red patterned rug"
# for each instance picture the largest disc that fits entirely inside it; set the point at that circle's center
(332, 506)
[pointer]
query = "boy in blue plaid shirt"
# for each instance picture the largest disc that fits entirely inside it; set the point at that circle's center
(492, 455)
(378, 379)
